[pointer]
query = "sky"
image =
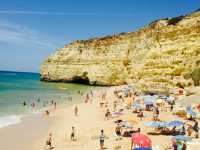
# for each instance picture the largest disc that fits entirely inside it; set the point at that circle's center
(30, 30)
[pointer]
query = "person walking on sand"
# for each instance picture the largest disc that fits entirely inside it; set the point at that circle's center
(87, 98)
(73, 134)
(49, 141)
(107, 114)
(101, 140)
(118, 131)
(76, 111)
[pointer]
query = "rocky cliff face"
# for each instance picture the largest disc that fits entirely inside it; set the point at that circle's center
(162, 55)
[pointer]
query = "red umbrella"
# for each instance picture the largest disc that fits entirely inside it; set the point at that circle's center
(198, 107)
(141, 140)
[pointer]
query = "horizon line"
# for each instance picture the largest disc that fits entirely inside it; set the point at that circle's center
(15, 71)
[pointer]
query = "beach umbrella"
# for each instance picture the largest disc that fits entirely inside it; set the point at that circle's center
(117, 113)
(164, 97)
(156, 124)
(140, 148)
(136, 106)
(141, 140)
(190, 111)
(175, 123)
(126, 124)
(148, 102)
(182, 138)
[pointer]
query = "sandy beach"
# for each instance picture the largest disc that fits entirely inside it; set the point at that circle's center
(33, 132)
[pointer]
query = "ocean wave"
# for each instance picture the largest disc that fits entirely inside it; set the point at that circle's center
(9, 120)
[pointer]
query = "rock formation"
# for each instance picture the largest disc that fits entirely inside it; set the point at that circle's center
(162, 55)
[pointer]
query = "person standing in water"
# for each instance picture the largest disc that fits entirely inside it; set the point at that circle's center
(55, 104)
(33, 104)
(24, 103)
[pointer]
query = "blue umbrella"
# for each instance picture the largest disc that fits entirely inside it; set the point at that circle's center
(141, 148)
(189, 108)
(126, 124)
(136, 106)
(148, 102)
(190, 111)
(175, 123)
(156, 124)
(182, 138)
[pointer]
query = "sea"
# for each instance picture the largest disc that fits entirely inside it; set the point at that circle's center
(19, 88)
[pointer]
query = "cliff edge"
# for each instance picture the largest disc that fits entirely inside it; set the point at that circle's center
(162, 55)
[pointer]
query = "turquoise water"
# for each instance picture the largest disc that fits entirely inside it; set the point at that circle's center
(17, 87)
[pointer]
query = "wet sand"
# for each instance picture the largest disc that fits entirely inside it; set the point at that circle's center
(23, 135)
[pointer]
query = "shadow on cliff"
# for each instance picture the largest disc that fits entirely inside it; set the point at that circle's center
(81, 80)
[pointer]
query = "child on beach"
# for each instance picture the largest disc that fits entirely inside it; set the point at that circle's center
(101, 138)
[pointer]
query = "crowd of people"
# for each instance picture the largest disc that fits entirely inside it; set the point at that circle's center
(120, 105)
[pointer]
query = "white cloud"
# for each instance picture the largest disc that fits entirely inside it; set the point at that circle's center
(12, 33)
(108, 14)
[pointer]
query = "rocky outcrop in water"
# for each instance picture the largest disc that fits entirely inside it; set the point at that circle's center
(162, 55)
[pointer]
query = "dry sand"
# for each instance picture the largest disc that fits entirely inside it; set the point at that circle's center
(32, 133)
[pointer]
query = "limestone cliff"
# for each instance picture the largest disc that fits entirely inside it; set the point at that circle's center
(162, 55)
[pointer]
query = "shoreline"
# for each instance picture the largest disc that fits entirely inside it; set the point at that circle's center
(33, 131)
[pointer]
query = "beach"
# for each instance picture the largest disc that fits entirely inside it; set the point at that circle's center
(33, 132)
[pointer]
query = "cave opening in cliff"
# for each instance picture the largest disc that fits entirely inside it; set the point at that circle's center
(81, 79)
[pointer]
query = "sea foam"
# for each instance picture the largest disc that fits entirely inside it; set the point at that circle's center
(9, 120)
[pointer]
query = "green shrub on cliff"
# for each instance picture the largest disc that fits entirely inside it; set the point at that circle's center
(195, 75)
(175, 20)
